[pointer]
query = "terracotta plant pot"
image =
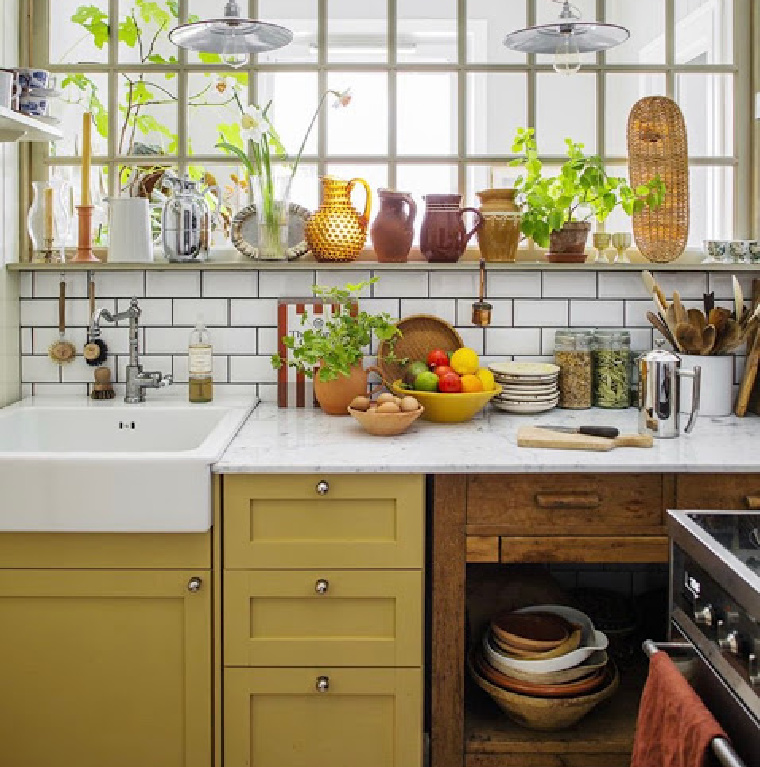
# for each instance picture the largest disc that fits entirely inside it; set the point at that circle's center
(334, 397)
(568, 245)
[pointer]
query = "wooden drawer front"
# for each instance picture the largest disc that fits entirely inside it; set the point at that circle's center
(282, 522)
(722, 491)
(560, 504)
(367, 717)
(364, 618)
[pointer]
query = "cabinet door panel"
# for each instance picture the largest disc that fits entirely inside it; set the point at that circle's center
(367, 717)
(105, 668)
(731, 492)
(362, 618)
(284, 522)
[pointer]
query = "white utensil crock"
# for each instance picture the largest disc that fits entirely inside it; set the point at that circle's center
(130, 238)
(717, 396)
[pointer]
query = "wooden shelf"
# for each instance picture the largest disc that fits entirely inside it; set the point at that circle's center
(15, 126)
(602, 739)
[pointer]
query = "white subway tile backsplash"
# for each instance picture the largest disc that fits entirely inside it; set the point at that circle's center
(389, 306)
(621, 285)
(688, 284)
(569, 285)
(155, 311)
(410, 284)
(722, 284)
(33, 312)
(115, 284)
(244, 369)
(245, 312)
(501, 315)
(641, 339)
(474, 338)
(267, 341)
(598, 314)
(636, 313)
(47, 284)
(26, 345)
(230, 284)
(541, 313)
(286, 284)
(511, 341)
(454, 284)
(61, 390)
(331, 278)
(171, 284)
(26, 285)
(117, 339)
(513, 284)
(39, 369)
(210, 311)
(445, 308)
(180, 367)
(43, 338)
(78, 371)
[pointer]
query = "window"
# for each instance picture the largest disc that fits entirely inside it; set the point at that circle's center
(437, 97)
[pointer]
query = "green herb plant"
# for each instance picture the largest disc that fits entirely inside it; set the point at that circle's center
(582, 190)
(339, 344)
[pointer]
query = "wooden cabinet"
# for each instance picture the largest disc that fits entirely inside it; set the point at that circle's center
(323, 620)
(723, 491)
(105, 667)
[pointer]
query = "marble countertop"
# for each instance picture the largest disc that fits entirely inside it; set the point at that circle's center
(303, 441)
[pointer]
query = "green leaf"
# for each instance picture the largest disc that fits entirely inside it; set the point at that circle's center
(209, 58)
(95, 21)
(128, 32)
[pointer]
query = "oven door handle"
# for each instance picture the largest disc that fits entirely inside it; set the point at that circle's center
(650, 647)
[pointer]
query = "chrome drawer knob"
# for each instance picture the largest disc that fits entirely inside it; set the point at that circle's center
(194, 584)
(728, 640)
(322, 487)
(704, 616)
(321, 586)
(323, 683)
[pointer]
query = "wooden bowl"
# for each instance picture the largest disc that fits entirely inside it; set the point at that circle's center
(534, 632)
(571, 643)
(385, 424)
(593, 663)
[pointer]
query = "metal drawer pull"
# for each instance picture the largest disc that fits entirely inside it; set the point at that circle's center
(194, 584)
(323, 683)
(321, 586)
(322, 487)
(753, 502)
(568, 500)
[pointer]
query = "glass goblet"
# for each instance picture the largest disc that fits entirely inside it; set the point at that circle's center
(601, 243)
(621, 241)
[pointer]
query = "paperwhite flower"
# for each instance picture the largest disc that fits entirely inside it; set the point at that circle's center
(342, 98)
(223, 83)
(253, 124)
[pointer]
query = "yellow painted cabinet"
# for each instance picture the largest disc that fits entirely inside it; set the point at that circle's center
(105, 668)
(325, 617)
(322, 717)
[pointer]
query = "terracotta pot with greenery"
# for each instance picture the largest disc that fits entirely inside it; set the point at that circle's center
(333, 355)
(557, 209)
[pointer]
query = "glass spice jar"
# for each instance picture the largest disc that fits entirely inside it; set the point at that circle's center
(573, 355)
(612, 368)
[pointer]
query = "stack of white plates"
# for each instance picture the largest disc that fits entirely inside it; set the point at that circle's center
(527, 387)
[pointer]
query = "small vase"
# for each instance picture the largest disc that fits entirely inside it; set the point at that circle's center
(499, 235)
(568, 245)
(47, 221)
(393, 230)
(272, 205)
(335, 396)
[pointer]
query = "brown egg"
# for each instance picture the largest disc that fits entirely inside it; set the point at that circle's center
(359, 403)
(388, 407)
(385, 397)
(409, 404)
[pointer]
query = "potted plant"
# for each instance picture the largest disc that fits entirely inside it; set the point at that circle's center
(333, 354)
(556, 210)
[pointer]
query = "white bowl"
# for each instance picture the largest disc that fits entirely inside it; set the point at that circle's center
(591, 641)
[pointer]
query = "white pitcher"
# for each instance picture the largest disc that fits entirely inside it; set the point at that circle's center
(130, 237)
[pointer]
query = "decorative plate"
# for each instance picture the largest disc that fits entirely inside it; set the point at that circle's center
(245, 231)
(529, 369)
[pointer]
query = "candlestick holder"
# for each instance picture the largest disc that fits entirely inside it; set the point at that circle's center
(47, 222)
(84, 242)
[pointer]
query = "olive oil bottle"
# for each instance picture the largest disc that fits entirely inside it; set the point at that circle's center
(200, 365)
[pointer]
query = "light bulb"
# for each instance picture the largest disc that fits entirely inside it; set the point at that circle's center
(235, 60)
(567, 57)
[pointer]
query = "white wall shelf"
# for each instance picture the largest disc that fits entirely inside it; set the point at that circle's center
(15, 126)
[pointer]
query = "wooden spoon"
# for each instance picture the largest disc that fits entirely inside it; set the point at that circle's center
(697, 319)
(672, 323)
(680, 309)
(659, 324)
(731, 337)
(738, 298)
(708, 339)
(718, 317)
(689, 338)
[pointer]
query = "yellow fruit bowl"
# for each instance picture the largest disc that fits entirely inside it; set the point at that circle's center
(448, 408)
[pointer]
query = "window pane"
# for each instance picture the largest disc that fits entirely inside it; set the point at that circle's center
(488, 23)
(213, 108)
(622, 91)
(565, 108)
(81, 32)
(646, 21)
(300, 16)
(362, 126)
(294, 99)
(496, 107)
(144, 31)
(711, 194)
(707, 102)
(420, 180)
(618, 220)
(233, 187)
(478, 179)
(705, 31)
(81, 92)
(147, 122)
(427, 31)
(548, 13)
(357, 31)
(427, 113)
(304, 190)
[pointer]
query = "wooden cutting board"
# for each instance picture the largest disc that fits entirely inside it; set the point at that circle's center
(530, 436)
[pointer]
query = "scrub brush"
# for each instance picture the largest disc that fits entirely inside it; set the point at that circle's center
(102, 388)
(62, 351)
(95, 350)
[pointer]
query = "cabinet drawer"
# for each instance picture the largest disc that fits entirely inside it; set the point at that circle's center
(367, 717)
(559, 504)
(294, 522)
(723, 491)
(331, 618)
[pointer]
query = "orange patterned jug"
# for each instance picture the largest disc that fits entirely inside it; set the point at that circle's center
(337, 231)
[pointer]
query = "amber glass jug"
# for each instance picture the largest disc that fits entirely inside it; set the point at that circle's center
(337, 231)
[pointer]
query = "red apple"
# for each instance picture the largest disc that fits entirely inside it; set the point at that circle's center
(436, 358)
(442, 370)
(449, 383)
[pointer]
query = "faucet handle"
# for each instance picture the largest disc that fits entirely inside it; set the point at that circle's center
(166, 380)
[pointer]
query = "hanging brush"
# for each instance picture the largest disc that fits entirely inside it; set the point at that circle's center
(62, 351)
(95, 350)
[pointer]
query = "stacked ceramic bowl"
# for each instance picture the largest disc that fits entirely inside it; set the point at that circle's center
(527, 387)
(546, 667)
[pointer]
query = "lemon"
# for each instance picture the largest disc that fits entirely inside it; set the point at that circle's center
(471, 383)
(465, 361)
(486, 378)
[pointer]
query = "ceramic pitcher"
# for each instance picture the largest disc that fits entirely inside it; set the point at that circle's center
(393, 229)
(337, 231)
(443, 238)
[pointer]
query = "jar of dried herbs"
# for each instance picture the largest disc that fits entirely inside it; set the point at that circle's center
(612, 368)
(573, 355)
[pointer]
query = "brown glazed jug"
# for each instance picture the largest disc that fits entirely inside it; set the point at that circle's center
(443, 237)
(337, 231)
(393, 230)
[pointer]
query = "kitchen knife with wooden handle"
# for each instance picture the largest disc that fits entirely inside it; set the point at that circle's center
(531, 436)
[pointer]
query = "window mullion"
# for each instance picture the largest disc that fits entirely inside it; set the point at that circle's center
(113, 97)
(392, 12)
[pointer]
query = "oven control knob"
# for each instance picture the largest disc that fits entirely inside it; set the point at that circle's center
(728, 640)
(704, 616)
(753, 669)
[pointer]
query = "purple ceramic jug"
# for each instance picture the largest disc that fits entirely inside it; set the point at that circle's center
(443, 237)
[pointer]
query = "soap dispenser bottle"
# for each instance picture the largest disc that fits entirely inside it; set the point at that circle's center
(200, 365)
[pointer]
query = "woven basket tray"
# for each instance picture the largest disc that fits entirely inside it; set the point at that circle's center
(421, 333)
(657, 145)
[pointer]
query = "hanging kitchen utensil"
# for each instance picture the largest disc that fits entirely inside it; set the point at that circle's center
(95, 350)
(62, 351)
(689, 338)
(659, 324)
(738, 298)
(481, 310)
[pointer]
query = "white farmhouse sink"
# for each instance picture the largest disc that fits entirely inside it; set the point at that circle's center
(110, 467)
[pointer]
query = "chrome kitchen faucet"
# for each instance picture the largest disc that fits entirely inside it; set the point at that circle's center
(137, 380)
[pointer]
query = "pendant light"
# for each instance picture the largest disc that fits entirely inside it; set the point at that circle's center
(233, 37)
(567, 38)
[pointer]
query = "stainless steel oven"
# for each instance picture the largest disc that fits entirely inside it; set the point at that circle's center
(715, 607)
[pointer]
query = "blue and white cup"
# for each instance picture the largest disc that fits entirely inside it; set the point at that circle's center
(30, 77)
(754, 252)
(34, 106)
(740, 251)
(717, 250)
